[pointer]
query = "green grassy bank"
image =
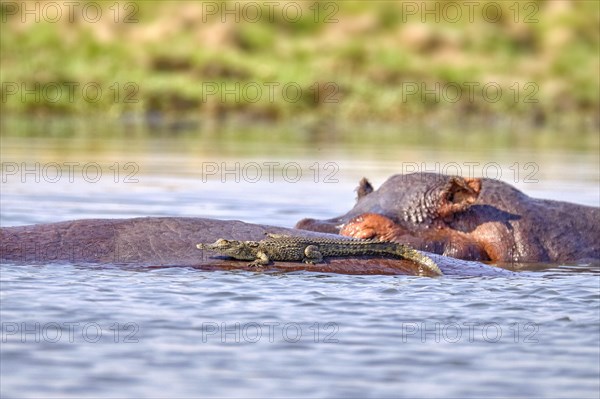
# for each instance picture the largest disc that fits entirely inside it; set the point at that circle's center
(350, 61)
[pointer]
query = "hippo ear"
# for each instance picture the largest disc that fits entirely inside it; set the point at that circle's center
(364, 188)
(458, 194)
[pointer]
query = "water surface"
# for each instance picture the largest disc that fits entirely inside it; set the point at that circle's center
(91, 331)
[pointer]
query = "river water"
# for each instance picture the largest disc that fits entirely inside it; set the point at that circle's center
(91, 331)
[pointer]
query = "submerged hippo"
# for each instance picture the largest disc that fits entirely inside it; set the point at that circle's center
(469, 218)
(165, 241)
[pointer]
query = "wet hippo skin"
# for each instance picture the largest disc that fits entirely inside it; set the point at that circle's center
(474, 219)
(164, 241)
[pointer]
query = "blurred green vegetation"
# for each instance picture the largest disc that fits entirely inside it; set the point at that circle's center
(353, 61)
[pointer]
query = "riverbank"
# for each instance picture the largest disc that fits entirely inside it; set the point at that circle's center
(339, 61)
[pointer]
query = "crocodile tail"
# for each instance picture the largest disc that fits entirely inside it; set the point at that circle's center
(423, 260)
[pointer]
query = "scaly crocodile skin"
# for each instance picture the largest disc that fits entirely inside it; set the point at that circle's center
(312, 250)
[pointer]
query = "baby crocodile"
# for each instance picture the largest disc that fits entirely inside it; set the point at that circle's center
(312, 250)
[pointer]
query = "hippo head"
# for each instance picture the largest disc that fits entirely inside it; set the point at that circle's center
(414, 202)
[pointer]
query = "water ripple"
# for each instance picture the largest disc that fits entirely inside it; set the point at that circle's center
(191, 331)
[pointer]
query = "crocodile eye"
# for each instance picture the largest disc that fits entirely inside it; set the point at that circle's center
(252, 244)
(221, 242)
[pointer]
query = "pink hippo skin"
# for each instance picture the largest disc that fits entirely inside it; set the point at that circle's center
(473, 219)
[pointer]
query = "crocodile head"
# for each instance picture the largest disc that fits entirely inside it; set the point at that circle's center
(242, 250)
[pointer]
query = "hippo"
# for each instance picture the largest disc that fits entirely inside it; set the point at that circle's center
(171, 241)
(469, 218)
